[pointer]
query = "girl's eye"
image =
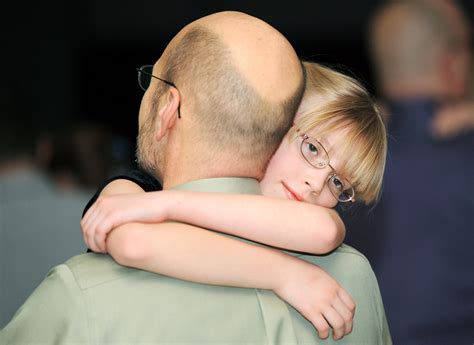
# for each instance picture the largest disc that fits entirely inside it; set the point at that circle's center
(312, 149)
(337, 183)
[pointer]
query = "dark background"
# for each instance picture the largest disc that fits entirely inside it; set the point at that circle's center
(76, 60)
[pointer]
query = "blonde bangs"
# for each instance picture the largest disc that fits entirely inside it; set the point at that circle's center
(364, 151)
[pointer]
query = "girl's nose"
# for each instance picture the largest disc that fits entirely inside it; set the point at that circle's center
(317, 180)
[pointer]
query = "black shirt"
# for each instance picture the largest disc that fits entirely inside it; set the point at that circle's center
(146, 181)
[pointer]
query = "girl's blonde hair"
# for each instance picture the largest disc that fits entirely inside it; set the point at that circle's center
(333, 100)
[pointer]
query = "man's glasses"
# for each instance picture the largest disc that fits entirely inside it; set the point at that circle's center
(317, 156)
(145, 73)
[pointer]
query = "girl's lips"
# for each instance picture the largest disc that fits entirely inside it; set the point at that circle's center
(290, 193)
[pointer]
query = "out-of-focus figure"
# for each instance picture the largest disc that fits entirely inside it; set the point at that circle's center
(458, 117)
(83, 154)
(39, 224)
(423, 239)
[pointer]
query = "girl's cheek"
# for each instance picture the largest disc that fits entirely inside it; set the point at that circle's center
(328, 200)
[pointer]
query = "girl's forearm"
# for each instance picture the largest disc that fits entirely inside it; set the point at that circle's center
(277, 222)
(185, 252)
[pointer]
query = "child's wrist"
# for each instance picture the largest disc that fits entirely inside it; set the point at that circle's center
(170, 204)
(289, 270)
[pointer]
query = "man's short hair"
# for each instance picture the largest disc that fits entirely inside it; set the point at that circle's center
(229, 111)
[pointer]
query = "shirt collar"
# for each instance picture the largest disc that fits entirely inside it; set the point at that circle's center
(232, 185)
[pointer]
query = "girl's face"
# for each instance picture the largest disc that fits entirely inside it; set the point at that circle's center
(290, 176)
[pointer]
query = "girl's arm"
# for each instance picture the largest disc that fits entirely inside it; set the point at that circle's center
(277, 222)
(186, 252)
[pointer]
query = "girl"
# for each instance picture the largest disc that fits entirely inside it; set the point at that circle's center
(335, 152)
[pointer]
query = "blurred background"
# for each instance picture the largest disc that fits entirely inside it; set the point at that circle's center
(68, 72)
(77, 61)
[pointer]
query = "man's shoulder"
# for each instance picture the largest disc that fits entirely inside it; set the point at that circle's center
(346, 250)
(344, 253)
(356, 258)
(347, 265)
(353, 260)
(94, 269)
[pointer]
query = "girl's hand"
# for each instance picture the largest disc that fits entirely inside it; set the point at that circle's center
(319, 298)
(110, 211)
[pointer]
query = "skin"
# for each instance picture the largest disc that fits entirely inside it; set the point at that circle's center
(289, 176)
(453, 120)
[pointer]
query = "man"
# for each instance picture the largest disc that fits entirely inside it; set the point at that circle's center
(424, 222)
(222, 96)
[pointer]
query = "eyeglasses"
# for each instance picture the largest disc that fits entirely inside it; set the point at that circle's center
(316, 155)
(145, 73)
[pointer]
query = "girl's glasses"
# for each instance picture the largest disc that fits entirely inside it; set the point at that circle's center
(316, 155)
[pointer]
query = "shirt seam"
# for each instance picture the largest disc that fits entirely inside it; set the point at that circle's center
(86, 307)
(267, 339)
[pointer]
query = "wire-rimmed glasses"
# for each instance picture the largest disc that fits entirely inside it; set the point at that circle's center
(145, 73)
(316, 155)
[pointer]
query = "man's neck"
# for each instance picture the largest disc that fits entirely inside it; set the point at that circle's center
(187, 170)
(191, 159)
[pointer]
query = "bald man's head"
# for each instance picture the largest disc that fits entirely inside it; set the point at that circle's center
(239, 79)
(411, 40)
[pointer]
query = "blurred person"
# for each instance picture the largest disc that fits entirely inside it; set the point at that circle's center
(423, 225)
(37, 221)
(222, 96)
(456, 118)
(83, 154)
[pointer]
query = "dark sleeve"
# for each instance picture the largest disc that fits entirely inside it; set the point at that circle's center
(146, 181)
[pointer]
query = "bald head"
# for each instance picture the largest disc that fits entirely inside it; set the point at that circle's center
(260, 53)
(411, 41)
(240, 83)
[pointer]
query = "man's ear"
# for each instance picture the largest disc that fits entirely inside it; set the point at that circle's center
(167, 113)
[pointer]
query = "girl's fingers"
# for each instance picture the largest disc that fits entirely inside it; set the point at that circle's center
(345, 313)
(336, 322)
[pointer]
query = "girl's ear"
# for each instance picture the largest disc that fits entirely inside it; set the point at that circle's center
(167, 114)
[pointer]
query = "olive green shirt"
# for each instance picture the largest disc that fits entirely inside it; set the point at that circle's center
(90, 299)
